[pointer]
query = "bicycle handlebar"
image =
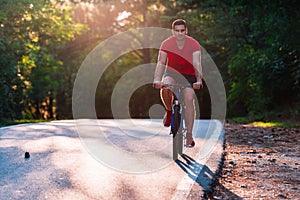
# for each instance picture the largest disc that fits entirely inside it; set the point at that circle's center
(182, 86)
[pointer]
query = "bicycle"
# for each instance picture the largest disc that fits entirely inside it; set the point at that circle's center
(178, 128)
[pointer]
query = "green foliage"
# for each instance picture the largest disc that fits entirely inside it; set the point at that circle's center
(22, 121)
(282, 124)
(145, 94)
(255, 44)
(240, 120)
(32, 31)
(264, 69)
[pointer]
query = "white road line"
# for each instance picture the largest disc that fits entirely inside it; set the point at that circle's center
(185, 186)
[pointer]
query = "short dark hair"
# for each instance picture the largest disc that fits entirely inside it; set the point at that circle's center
(178, 22)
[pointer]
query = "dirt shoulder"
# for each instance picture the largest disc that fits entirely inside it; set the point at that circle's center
(259, 163)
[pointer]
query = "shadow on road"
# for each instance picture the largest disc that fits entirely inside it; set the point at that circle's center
(200, 173)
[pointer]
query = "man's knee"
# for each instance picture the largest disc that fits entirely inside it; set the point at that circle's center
(166, 91)
(189, 96)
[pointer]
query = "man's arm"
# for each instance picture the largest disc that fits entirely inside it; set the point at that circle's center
(198, 69)
(160, 68)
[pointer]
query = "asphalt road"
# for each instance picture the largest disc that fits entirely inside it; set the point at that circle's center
(106, 159)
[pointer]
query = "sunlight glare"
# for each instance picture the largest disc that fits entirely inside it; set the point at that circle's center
(123, 15)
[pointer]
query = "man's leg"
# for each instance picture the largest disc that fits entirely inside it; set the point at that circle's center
(166, 95)
(189, 113)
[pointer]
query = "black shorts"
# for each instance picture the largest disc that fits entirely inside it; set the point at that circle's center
(181, 78)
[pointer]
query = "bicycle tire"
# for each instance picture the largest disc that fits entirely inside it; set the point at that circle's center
(176, 120)
(175, 147)
(180, 135)
(174, 129)
(180, 142)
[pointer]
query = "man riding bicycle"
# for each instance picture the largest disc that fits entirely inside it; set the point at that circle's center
(179, 61)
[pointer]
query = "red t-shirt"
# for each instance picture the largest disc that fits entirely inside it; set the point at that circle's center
(180, 60)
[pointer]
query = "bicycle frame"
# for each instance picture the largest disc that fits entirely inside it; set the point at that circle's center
(177, 124)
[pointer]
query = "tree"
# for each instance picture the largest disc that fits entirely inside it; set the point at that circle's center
(264, 69)
(31, 37)
(255, 46)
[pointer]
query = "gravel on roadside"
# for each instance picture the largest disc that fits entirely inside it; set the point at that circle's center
(259, 163)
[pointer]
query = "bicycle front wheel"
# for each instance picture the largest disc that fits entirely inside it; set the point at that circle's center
(174, 130)
(175, 120)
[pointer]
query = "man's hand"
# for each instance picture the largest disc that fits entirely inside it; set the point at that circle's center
(157, 84)
(197, 85)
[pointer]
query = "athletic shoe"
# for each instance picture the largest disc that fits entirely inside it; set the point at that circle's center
(190, 145)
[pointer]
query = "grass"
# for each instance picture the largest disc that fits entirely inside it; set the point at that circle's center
(22, 121)
(240, 120)
(281, 124)
(276, 124)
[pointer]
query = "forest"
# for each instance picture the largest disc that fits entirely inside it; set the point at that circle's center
(254, 44)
